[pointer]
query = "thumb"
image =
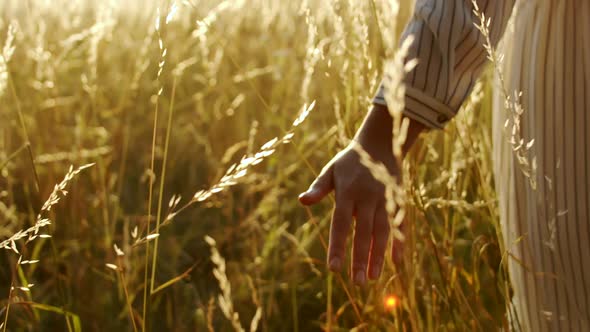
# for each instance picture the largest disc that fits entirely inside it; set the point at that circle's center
(321, 187)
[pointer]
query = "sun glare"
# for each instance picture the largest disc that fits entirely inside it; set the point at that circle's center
(391, 302)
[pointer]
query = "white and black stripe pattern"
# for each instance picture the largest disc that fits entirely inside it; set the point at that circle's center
(450, 53)
(547, 57)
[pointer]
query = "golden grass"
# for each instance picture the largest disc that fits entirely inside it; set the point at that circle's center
(169, 100)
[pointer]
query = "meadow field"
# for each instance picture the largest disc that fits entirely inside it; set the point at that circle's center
(120, 209)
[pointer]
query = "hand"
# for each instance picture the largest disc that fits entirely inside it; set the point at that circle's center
(360, 195)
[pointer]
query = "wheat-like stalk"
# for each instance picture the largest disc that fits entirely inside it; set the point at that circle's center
(236, 172)
(121, 272)
(7, 52)
(313, 54)
(387, 26)
(204, 24)
(234, 175)
(33, 232)
(395, 71)
(74, 155)
(99, 31)
(224, 299)
(512, 105)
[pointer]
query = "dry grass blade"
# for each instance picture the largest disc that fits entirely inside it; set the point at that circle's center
(6, 55)
(32, 232)
(224, 299)
(512, 105)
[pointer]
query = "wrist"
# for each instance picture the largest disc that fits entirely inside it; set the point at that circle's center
(376, 133)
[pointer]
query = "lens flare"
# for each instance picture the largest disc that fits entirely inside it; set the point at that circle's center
(391, 302)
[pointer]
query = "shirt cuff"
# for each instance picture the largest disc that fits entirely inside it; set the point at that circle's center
(421, 107)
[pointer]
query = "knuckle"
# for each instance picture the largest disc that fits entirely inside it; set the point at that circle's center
(370, 188)
(342, 194)
(359, 264)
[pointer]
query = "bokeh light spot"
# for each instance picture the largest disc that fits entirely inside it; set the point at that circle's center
(391, 302)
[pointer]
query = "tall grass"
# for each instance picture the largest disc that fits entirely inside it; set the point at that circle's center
(170, 101)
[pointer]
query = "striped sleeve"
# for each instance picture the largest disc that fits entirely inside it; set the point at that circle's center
(451, 54)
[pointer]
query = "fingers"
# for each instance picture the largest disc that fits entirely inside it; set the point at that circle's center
(379, 244)
(340, 226)
(321, 187)
(365, 213)
(398, 246)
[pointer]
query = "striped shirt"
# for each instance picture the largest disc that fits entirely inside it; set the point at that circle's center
(450, 53)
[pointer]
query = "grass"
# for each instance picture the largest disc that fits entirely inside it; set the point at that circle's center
(163, 233)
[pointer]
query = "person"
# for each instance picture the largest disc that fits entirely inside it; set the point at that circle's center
(545, 228)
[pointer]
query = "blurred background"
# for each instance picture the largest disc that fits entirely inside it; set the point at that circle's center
(168, 95)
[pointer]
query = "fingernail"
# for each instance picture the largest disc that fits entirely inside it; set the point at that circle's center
(335, 264)
(375, 272)
(304, 198)
(359, 277)
(306, 193)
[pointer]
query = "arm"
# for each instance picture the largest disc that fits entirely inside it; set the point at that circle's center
(450, 55)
